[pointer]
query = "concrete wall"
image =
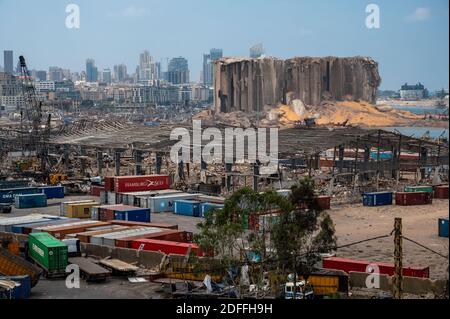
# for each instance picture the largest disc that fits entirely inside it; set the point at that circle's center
(250, 84)
(411, 285)
(147, 259)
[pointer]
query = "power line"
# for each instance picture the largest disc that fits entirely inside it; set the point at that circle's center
(425, 247)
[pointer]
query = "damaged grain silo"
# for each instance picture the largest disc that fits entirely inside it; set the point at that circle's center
(242, 84)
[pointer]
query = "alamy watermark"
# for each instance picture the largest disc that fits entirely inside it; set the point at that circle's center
(73, 17)
(373, 19)
(230, 146)
(373, 279)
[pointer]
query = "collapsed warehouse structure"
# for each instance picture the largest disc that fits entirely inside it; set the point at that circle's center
(92, 149)
(251, 84)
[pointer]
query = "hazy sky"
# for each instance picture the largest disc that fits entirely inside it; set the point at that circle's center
(411, 45)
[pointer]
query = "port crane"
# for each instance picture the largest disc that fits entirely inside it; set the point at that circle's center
(35, 133)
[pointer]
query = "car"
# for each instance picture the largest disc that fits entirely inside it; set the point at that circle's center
(5, 208)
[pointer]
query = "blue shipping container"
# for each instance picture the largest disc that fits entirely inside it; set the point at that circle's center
(7, 195)
(187, 208)
(18, 228)
(31, 201)
(133, 215)
(377, 199)
(205, 207)
(443, 227)
(53, 191)
(23, 287)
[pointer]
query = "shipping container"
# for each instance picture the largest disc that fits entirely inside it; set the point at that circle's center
(441, 192)
(23, 286)
(25, 228)
(6, 224)
(284, 192)
(73, 247)
(418, 189)
(161, 204)
(85, 237)
(349, 265)
(111, 198)
(139, 199)
(133, 214)
(167, 247)
(124, 184)
(323, 202)
(378, 199)
(103, 197)
(7, 195)
(48, 252)
(110, 238)
(187, 208)
(30, 201)
(163, 234)
(414, 198)
(61, 231)
(158, 225)
(211, 199)
(12, 265)
(52, 191)
(14, 184)
(109, 183)
(443, 227)
(80, 210)
(95, 190)
(64, 205)
(206, 207)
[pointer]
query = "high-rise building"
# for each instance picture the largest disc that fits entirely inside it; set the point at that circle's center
(106, 76)
(41, 76)
(178, 71)
(208, 61)
(120, 73)
(257, 51)
(55, 73)
(147, 69)
(91, 71)
(8, 61)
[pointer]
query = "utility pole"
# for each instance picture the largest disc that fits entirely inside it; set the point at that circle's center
(397, 283)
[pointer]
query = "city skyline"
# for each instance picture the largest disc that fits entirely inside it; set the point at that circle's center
(410, 46)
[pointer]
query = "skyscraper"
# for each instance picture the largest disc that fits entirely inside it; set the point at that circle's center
(41, 76)
(208, 61)
(8, 61)
(107, 76)
(148, 69)
(55, 74)
(178, 71)
(91, 71)
(120, 72)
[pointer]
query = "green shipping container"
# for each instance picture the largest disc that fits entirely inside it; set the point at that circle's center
(245, 221)
(47, 251)
(416, 189)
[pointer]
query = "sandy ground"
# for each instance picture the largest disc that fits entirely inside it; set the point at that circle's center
(420, 223)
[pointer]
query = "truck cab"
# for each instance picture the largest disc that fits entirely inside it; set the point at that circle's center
(303, 290)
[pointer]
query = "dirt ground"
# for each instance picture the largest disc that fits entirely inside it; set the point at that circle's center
(420, 223)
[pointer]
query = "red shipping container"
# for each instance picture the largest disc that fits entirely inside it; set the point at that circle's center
(441, 192)
(158, 225)
(167, 235)
(349, 265)
(323, 202)
(166, 247)
(95, 190)
(125, 184)
(109, 184)
(411, 199)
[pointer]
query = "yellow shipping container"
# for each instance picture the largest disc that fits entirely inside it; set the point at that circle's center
(82, 210)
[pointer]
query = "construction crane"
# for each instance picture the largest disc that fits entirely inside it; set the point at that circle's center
(33, 130)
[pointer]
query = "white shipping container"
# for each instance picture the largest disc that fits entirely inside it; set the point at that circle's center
(160, 204)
